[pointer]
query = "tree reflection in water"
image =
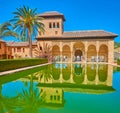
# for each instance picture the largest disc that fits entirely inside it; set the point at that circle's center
(7, 104)
(29, 100)
(51, 92)
(45, 74)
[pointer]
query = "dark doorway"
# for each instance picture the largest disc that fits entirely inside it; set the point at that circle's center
(78, 54)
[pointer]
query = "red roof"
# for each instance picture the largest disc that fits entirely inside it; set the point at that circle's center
(52, 14)
(88, 34)
(20, 44)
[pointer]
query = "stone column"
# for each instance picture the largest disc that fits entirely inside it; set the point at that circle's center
(71, 75)
(97, 50)
(71, 50)
(111, 51)
(61, 76)
(86, 49)
(85, 76)
(97, 76)
(61, 52)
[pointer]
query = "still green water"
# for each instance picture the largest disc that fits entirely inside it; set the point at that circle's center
(62, 88)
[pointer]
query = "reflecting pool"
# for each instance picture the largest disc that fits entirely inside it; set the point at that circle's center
(62, 88)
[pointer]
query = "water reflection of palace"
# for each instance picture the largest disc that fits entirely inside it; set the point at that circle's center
(56, 79)
(46, 88)
(52, 96)
(89, 74)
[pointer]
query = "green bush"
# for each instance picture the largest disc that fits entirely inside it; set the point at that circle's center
(66, 73)
(19, 63)
(55, 73)
(118, 62)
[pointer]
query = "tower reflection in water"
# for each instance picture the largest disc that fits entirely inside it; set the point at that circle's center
(56, 79)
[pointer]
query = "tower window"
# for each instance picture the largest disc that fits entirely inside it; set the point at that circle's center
(58, 25)
(51, 97)
(54, 25)
(50, 25)
(54, 97)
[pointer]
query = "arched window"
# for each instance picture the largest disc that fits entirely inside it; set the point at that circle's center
(50, 25)
(58, 25)
(54, 25)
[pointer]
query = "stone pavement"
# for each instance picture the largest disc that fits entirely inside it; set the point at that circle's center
(21, 69)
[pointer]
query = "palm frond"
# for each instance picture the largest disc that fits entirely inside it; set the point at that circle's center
(26, 21)
(10, 33)
(5, 30)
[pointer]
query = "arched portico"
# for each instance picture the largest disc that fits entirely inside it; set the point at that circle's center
(78, 55)
(103, 53)
(66, 53)
(91, 53)
(79, 50)
(56, 53)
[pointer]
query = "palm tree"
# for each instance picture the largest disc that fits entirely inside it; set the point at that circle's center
(7, 103)
(44, 51)
(23, 38)
(6, 31)
(46, 74)
(29, 100)
(27, 22)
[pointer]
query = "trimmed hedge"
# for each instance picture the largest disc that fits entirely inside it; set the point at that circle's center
(118, 62)
(70, 85)
(6, 65)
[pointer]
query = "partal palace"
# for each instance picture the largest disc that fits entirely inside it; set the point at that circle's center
(70, 46)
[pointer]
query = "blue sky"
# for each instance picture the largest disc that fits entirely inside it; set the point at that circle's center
(79, 14)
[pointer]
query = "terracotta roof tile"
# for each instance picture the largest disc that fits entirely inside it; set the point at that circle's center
(19, 44)
(52, 14)
(88, 33)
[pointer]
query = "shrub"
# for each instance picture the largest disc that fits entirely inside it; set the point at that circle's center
(118, 62)
(55, 73)
(19, 63)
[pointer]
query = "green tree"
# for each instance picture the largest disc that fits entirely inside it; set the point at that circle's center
(6, 31)
(45, 74)
(27, 22)
(44, 51)
(29, 100)
(23, 38)
(7, 103)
